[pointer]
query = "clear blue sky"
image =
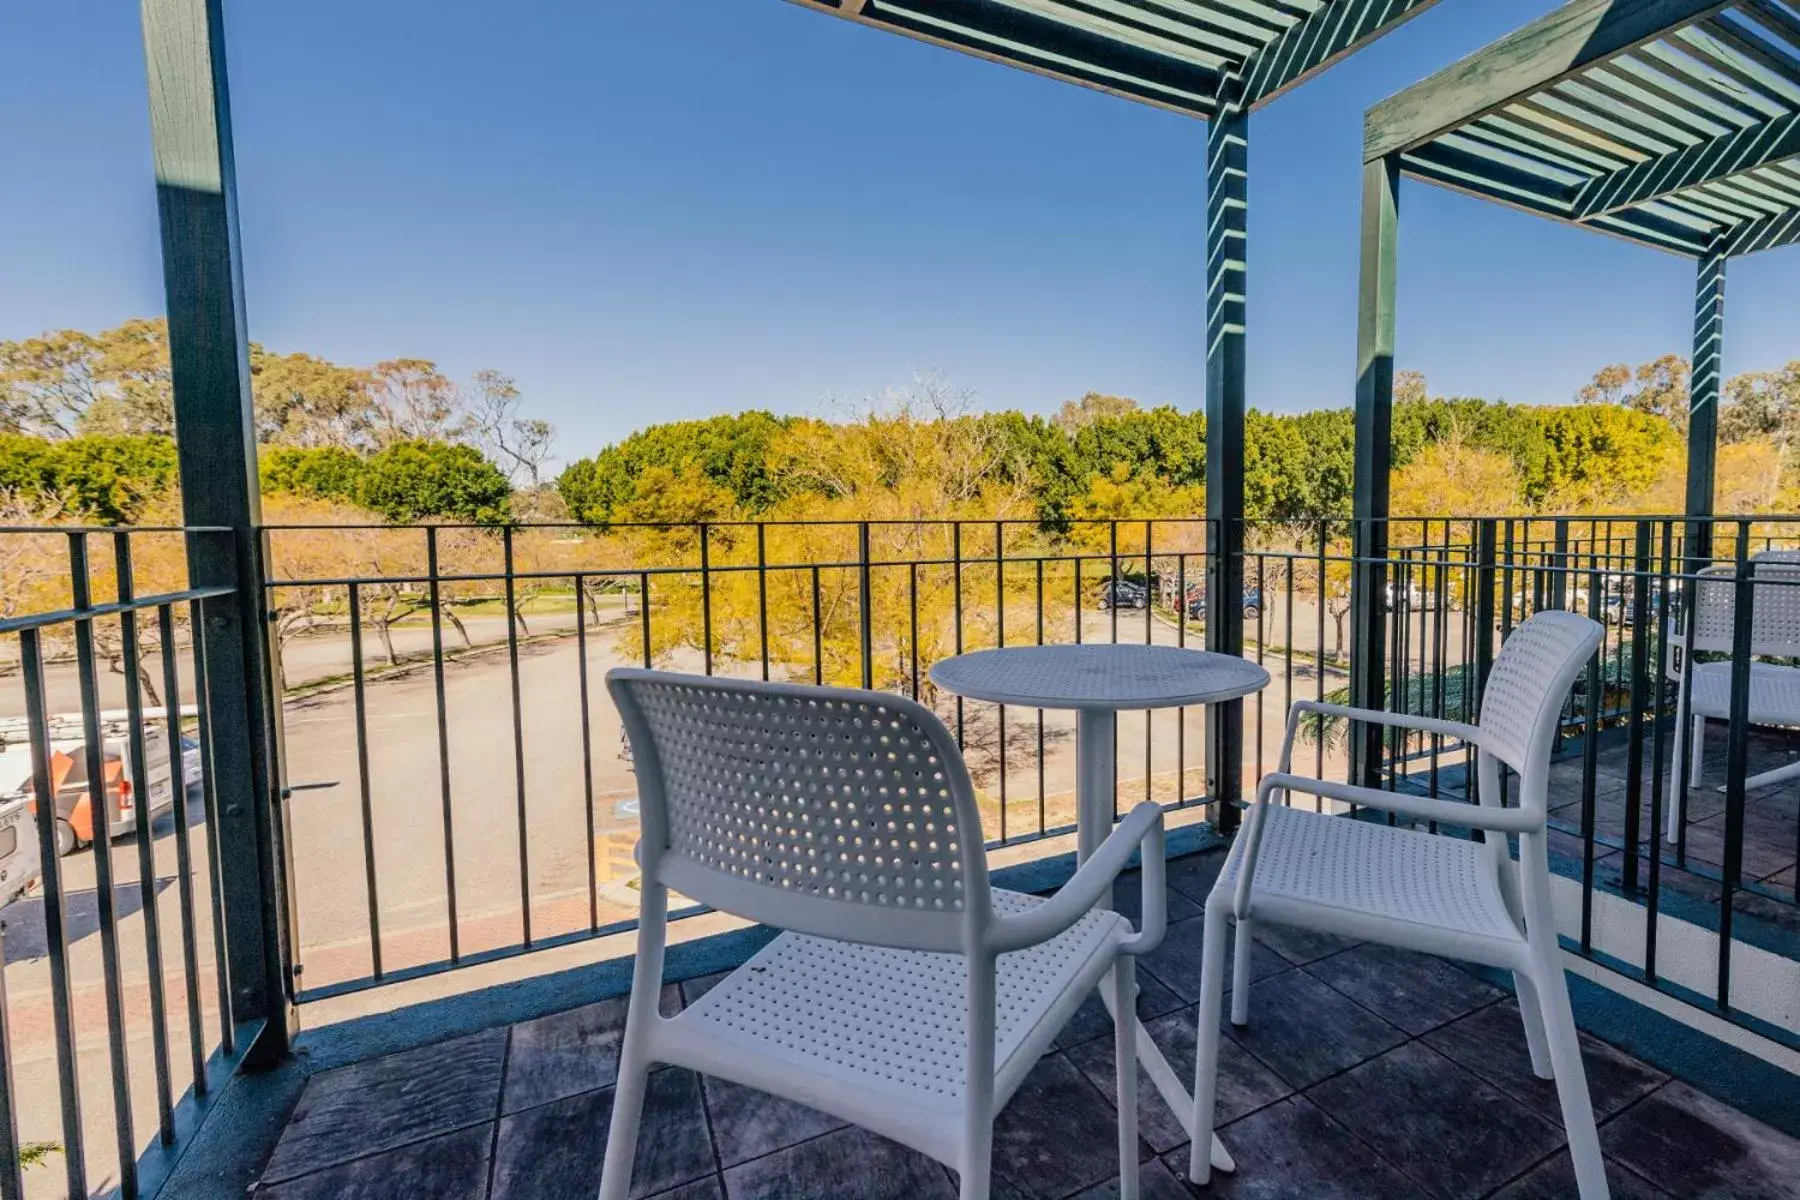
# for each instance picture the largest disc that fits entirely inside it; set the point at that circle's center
(651, 209)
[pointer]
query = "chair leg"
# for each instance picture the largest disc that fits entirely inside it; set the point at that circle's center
(627, 1114)
(1677, 756)
(1206, 1058)
(1124, 993)
(1531, 1011)
(1696, 764)
(1240, 973)
(1572, 1089)
(975, 1171)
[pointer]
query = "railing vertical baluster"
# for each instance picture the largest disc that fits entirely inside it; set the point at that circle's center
(1149, 618)
(1737, 753)
(209, 798)
(912, 617)
(1660, 614)
(1590, 757)
(706, 626)
(138, 759)
(518, 727)
(762, 598)
(1181, 621)
(1000, 640)
(1319, 658)
(365, 793)
(12, 1174)
(105, 895)
(56, 929)
(587, 751)
(443, 738)
(1640, 670)
(956, 584)
(644, 615)
(184, 859)
(866, 606)
(818, 631)
(1042, 818)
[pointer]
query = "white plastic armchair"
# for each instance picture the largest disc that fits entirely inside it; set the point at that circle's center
(906, 995)
(1432, 892)
(1704, 689)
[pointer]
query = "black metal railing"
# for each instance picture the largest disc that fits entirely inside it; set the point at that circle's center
(1451, 590)
(127, 997)
(855, 603)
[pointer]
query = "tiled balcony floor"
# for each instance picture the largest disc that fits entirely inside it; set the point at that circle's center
(1365, 1072)
(1771, 822)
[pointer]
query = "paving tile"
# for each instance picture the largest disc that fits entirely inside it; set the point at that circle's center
(564, 1053)
(1299, 946)
(1176, 962)
(1194, 875)
(748, 1124)
(1456, 1135)
(1128, 900)
(555, 1150)
(1092, 1020)
(710, 1188)
(1155, 1182)
(1292, 1150)
(851, 1164)
(387, 1102)
(1698, 1147)
(1305, 1031)
(1491, 1043)
(1244, 1084)
(1058, 1134)
(453, 1166)
(1417, 992)
(1554, 1179)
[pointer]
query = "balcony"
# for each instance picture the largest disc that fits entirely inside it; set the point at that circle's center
(1366, 1071)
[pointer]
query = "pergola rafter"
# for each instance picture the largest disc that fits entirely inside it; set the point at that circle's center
(1671, 123)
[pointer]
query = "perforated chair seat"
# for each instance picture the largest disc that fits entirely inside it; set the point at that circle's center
(1320, 863)
(891, 1022)
(1774, 693)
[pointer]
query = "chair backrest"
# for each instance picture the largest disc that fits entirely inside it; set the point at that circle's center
(1525, 689)
(841, 813)
(1774, 606)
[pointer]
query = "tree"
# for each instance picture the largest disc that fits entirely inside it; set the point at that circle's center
(732, 451)
(410, 400)
(1761, 405)
(47, 383)
(1601, 456)
(1659, 388)
(319, 473)
(1073, 415)
(415, 480)
(1453, 478)
(519, 446)
(309, 402)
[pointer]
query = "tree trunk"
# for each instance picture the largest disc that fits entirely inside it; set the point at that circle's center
(461, 629)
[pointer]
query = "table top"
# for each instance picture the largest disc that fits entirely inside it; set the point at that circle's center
(1102, 677)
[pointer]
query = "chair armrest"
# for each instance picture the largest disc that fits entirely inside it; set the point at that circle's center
(1454, 729)
(1449, 812)
(1092, 883)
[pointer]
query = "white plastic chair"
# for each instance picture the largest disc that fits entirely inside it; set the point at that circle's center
(1704, 689)
(1407, 887)
(907, 996)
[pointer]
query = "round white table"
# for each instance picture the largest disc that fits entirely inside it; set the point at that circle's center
(1097, 682)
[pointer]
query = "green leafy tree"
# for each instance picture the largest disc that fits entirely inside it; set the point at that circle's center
(415, 480)
(319, 473)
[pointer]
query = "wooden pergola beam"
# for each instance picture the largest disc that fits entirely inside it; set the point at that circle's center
(1531, 58)
(1765, 233)
(1703, 162)
(1309, 46)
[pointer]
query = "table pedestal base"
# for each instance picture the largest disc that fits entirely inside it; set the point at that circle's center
(1094, 791)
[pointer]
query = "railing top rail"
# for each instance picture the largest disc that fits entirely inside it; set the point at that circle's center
(103, 529)
(66, 616)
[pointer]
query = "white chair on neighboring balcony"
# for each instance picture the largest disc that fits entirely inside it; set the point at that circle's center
(1704, 689)
(1441, 894)
(908, 996)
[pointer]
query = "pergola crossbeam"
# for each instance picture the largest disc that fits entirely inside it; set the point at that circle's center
(1531, 58)
(1702, 162)
(1313, 44)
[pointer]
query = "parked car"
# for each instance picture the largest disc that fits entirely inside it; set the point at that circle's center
(1251, 604)
(1124, 593)
(20, 863)
(75, 820)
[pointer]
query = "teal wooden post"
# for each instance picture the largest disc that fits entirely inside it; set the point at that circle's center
(1703, 396)
(190, 125)
(1373, 456)
(1227, 147)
